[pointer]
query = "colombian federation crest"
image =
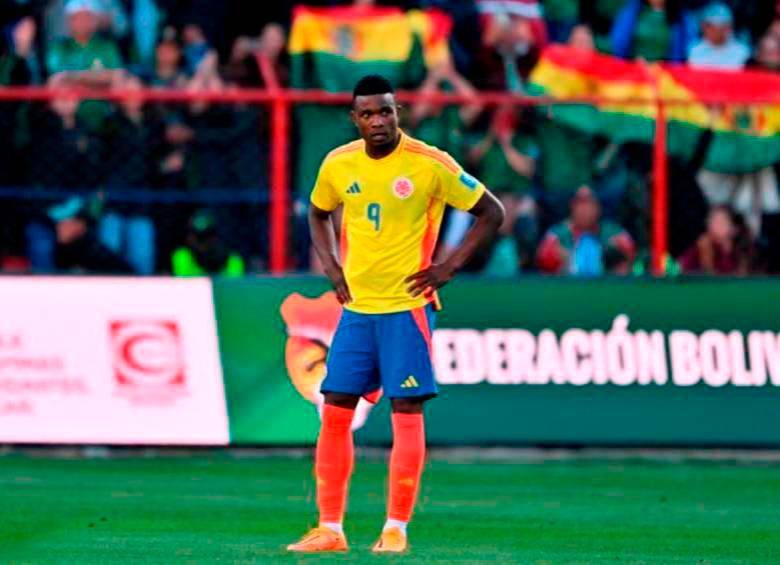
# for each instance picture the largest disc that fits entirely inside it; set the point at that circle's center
(403, 188)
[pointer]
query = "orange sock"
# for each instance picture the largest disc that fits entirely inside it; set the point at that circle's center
(334, 459)
(406, 464)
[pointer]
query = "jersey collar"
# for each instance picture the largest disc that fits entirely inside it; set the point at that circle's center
(392, 155)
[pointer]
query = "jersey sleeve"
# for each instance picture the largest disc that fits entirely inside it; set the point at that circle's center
(324, 195)
(458, 188)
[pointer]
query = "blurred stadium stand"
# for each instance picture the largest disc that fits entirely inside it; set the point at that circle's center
(118, 133)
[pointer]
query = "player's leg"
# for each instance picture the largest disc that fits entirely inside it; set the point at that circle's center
(407, 459)
(351, 371)
(334, 458)
(407, 378)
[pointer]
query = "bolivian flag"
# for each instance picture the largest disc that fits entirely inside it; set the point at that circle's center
(331, 48)
(747, 136)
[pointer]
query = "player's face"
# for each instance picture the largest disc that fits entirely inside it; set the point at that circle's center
(376, 118)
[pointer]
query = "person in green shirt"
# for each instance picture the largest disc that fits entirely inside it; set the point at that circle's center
(652, 34)
(505, 160)
(205, 253)
(84, 50)
(585, 244)
(653, 30)
(85, 58)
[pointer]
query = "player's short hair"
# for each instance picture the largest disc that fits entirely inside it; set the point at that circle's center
(370, 85)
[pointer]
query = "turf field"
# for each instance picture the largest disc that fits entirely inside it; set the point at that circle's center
(219, 507)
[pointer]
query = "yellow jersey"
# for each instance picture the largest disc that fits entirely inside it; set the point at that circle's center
(393, 209)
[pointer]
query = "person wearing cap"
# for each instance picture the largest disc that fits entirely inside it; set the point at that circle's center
(77, 248)
(585, 244)
(718, 48)
(85, 58)
(83, 49)
(204, 252)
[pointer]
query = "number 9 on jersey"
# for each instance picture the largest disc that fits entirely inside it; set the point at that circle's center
(373, 212)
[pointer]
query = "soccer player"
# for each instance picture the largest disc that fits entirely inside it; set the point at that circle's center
(393, 190)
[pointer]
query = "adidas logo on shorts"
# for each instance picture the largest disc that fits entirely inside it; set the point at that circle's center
(410, 382)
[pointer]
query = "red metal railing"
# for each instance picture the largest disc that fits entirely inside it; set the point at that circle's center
(280, 102)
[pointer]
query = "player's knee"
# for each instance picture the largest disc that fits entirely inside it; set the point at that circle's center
(341, 400)
(408, 405)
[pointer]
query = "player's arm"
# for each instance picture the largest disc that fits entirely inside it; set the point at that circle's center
(323, 201)
(489, 214)
(323, 236)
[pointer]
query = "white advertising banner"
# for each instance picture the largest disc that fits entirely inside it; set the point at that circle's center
(110, 361)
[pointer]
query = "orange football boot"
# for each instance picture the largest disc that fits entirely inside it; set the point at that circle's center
(392, 540)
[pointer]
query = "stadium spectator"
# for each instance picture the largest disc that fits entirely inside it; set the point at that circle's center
(725, 248)
(653, 30)
(510, 45)
(505, 159)
(166, 70)
(581, 37)
(68, 151)
(18, 67)
(567, 156)
(565, 163)
(506, 162)
(197, 50)
(687, 204)
(243, 67)
(205, 253)
(443, 125)
(78, 249)
(253, 20)
(112, 18)
(84, 54)
(259, 61)
(173, 164)
(227, 155)
(212, 126)
(586, 245)
(514, 11)
(68, 158)
(718, 48)
(768, 53)
(146, 18)
(130, 137)
(753, 194)
(18, 57)
(272, 55)
(85, 58)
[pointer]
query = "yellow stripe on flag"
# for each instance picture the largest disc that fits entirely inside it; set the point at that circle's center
(387, 38)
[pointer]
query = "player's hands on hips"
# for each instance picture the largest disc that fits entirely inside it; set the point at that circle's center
(336, 275)
(428, 280)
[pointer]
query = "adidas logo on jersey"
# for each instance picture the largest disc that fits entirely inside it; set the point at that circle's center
(410, 382)
(354, 188)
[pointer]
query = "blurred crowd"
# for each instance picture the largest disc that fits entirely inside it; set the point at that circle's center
(182, 188)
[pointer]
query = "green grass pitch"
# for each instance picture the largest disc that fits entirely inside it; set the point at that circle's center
(219, 507)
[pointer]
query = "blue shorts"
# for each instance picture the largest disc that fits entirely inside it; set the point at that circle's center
(387, 351)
